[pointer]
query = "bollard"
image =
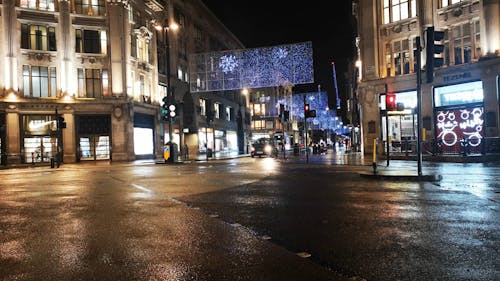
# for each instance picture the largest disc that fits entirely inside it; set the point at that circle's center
(52, 162)
(374, 163)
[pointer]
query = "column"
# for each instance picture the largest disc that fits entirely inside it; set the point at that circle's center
(119, 38)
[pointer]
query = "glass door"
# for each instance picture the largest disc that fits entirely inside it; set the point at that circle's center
(94, 148)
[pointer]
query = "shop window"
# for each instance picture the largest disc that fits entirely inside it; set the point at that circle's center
(396, 10)
(258, 124)
(92, 83)
(42, 5)
(90, 7)
(39, 81)
(38, 37)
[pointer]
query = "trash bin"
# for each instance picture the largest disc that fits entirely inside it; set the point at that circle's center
(174, 153)
(52, 162)
(209, 152)
(296, 149)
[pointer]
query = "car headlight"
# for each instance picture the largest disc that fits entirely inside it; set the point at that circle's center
(268, 149)
(252, 149)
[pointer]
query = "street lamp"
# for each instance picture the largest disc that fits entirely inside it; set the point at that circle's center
(170, 91)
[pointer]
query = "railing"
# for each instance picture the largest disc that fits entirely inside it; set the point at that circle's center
(463, 147)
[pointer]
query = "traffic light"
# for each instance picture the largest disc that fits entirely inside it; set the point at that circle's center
(168, 108)
(311, 114)
(306, 107)
(164, 108)
(390, 102)
(434, 52)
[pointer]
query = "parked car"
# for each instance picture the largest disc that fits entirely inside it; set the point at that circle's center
(263, 147)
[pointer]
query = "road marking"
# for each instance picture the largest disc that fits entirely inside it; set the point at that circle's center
(142, 188)
(304, 254)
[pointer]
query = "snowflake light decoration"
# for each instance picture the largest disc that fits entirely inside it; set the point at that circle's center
(281, 53)
(228, 63)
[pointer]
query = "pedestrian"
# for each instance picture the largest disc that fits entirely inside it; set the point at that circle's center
(186, 152)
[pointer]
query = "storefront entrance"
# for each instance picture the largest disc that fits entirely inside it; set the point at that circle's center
(39, 138)
(94, 137)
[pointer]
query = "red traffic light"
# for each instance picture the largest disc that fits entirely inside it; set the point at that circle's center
(390, 102)
(306, 107)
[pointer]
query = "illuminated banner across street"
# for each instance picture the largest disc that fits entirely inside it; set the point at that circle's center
(252, 68)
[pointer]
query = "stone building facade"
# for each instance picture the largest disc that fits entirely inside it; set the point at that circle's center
(460, 104)
(102, 67)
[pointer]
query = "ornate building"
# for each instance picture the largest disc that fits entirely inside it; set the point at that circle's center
(460, 104)
(103, 68)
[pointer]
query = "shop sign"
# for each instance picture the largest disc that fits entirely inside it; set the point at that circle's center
(457, 76)
(455, 125)
(39, 125)
(464, 93)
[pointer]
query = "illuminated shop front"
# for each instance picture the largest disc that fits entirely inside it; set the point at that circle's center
(143, 136)
(402, 123)
(459, 116)
(94, 137)
(39, 138)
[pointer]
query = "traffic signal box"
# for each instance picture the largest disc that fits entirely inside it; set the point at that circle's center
(169, 109)
(308, 113)
(434, 52)
(390, 102)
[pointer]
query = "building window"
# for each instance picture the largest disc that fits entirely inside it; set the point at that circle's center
(90, 41)
(203, 107)
(229, 113)
(42, 5)
(142, 48)
(90, 7)
(217, 110)
(446, 3)
(258, 124)
(398, 57)
(396, 10)
(91, 83)
(39, 81)
(133, 46)
(462, 43)
(259, 109)
(38, 37)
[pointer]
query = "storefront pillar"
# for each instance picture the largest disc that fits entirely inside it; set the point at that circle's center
(68, 136)
(13, 139)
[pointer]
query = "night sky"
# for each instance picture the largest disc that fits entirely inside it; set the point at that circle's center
(260, 23)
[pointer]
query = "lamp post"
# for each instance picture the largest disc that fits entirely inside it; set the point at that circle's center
(170, 91)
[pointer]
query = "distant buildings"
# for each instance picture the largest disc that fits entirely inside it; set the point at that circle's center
(104, 66)
(462, 101)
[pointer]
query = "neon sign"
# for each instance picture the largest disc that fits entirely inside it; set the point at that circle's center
(460, 124)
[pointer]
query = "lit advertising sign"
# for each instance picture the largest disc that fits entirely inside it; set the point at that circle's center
(455, 125)
(459, 94)
(252, 68)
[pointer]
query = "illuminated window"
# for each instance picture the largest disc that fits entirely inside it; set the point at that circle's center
(203, 107)
(446, 3)
(229, 113)
(142, 47)
(217, 110)
(38, 37)
(90, 7)
(43, 5)
(396, 10)
(90, 41)
(258, 124)
(91, 83)
(39, 81)
(259, 109)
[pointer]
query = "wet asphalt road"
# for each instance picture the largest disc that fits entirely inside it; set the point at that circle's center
(247, 219)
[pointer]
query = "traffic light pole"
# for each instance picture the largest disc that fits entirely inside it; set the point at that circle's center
(419, 104)
(305, 128)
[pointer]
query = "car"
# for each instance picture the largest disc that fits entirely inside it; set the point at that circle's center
(263, 147)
